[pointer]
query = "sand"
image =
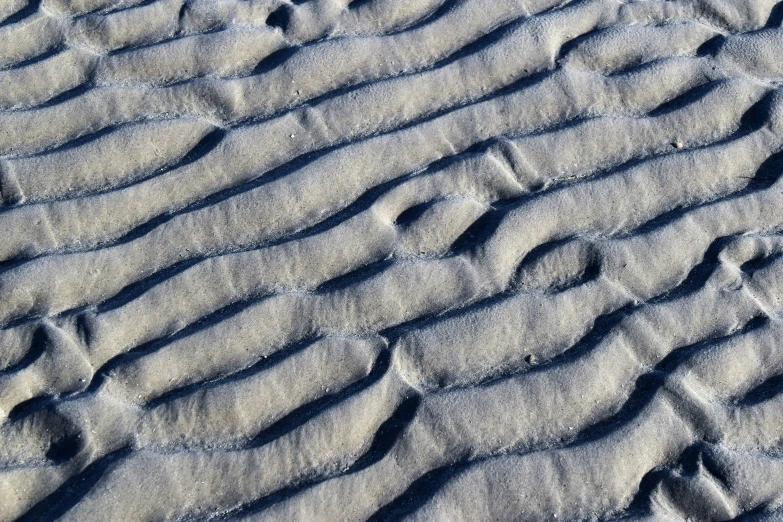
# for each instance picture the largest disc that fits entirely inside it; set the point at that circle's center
(456, 260)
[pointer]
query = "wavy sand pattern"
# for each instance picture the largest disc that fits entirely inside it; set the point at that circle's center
(383, 260)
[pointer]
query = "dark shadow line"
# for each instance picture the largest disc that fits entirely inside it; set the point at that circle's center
(57, 503)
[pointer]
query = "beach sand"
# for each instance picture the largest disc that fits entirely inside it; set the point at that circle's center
(458, 260)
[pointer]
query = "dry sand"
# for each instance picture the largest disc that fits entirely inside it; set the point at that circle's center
(456, 260)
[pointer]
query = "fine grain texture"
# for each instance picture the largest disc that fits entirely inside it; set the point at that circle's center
(333, 260)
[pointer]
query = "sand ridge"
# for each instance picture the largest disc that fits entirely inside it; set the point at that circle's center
(378, 260)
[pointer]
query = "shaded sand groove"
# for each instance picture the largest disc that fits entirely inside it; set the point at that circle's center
(378, 260)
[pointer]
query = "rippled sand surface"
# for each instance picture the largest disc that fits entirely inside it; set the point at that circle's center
(456, 260)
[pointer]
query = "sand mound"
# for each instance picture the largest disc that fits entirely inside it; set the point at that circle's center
(380, 260)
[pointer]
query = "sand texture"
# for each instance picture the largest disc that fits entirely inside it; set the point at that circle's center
(332, 260)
